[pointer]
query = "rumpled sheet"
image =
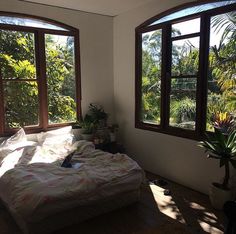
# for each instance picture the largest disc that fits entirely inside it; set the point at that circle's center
(33, 190)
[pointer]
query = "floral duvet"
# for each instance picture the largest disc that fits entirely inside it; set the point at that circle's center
(36, 188)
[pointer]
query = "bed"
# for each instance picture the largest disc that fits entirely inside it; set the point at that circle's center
(42, 196)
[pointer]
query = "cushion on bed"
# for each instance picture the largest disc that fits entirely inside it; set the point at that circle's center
(15, 142)
(60, 134)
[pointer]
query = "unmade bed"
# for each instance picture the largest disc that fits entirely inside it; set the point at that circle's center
(42, 196)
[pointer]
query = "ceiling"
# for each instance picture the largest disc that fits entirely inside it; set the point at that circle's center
(103, 7)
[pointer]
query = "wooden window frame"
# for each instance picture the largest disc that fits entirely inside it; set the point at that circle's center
(40, 60)
(201, 90)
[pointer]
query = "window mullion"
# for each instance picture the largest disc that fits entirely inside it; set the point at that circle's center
(1, 106)
(165, 77)
(202, 76)
(41, 77)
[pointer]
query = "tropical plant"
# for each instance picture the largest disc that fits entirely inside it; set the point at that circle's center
(183, 110)
(224, 121)
(223, 148)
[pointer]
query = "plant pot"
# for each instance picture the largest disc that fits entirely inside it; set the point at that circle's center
(219, 196)
(77, 133)
(87, 137)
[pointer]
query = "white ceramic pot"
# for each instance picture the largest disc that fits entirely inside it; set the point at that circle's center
(218, 196)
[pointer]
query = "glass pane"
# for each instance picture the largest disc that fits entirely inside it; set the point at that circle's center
(193, 10)
(28, 22)
(151, 76)
(183, 103)
(17, 55)
(186, 27)
(60, 68)
(21, 104)
(185, 57)
(221, 99)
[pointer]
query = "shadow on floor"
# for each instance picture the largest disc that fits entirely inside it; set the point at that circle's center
(184, 212)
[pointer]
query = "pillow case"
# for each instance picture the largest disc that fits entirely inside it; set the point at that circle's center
(61, 133)
(17, 141)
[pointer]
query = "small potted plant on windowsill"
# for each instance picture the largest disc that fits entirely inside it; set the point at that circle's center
(221, 145)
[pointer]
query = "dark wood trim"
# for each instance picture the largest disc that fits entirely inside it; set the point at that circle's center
(186, 36)
(181, 7)
(184, 76)
(178, 132)
(41, 79)
(43, 90)
(138, 74)
(44, 19)
(2, 116)
(165, 79)
(15, 28)
(78, 76)
(20, 28)
(201, 76)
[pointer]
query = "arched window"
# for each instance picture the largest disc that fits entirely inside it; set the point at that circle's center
(39, 73)
(186, 69)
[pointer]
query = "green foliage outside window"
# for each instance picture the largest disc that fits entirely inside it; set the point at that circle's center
(21, 98)
(221, 95)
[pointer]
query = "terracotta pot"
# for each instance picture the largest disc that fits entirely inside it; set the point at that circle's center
(219, 196)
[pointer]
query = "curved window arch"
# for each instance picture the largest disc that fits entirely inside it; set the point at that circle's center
(186, 69)
(39, 73)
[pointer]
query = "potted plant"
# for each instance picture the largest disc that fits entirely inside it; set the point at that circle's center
(221, 146)
(98, 115)
(88, 127)
(77, 130)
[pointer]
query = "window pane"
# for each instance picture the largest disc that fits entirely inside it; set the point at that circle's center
(183, 103)
(60, 68)
(185, 57)
(193, 10)
(28, 22)
(186, 27)
(151, 76)
(21, 104)
(17, 55)
(222, 68)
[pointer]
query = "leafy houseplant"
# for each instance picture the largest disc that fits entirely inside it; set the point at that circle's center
(87, 125)
(223, 148)
(97, 115)
(221, 145)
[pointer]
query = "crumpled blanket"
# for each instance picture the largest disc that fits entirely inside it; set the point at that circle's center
(27, 188)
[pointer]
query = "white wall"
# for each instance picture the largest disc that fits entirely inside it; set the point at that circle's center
(96, 43)
(175, 158)
(178, 159)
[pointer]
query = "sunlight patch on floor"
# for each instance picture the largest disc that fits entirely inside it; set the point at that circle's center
(208, 228)
(166, 204)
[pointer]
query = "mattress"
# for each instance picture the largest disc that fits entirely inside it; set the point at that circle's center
(34, 193)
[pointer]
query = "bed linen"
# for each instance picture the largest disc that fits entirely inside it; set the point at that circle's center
(35, 189)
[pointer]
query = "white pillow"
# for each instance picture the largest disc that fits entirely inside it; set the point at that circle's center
(61, 132)
(13, 140)
(18, 140)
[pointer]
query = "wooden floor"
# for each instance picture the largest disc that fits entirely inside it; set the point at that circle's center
(183, 212)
